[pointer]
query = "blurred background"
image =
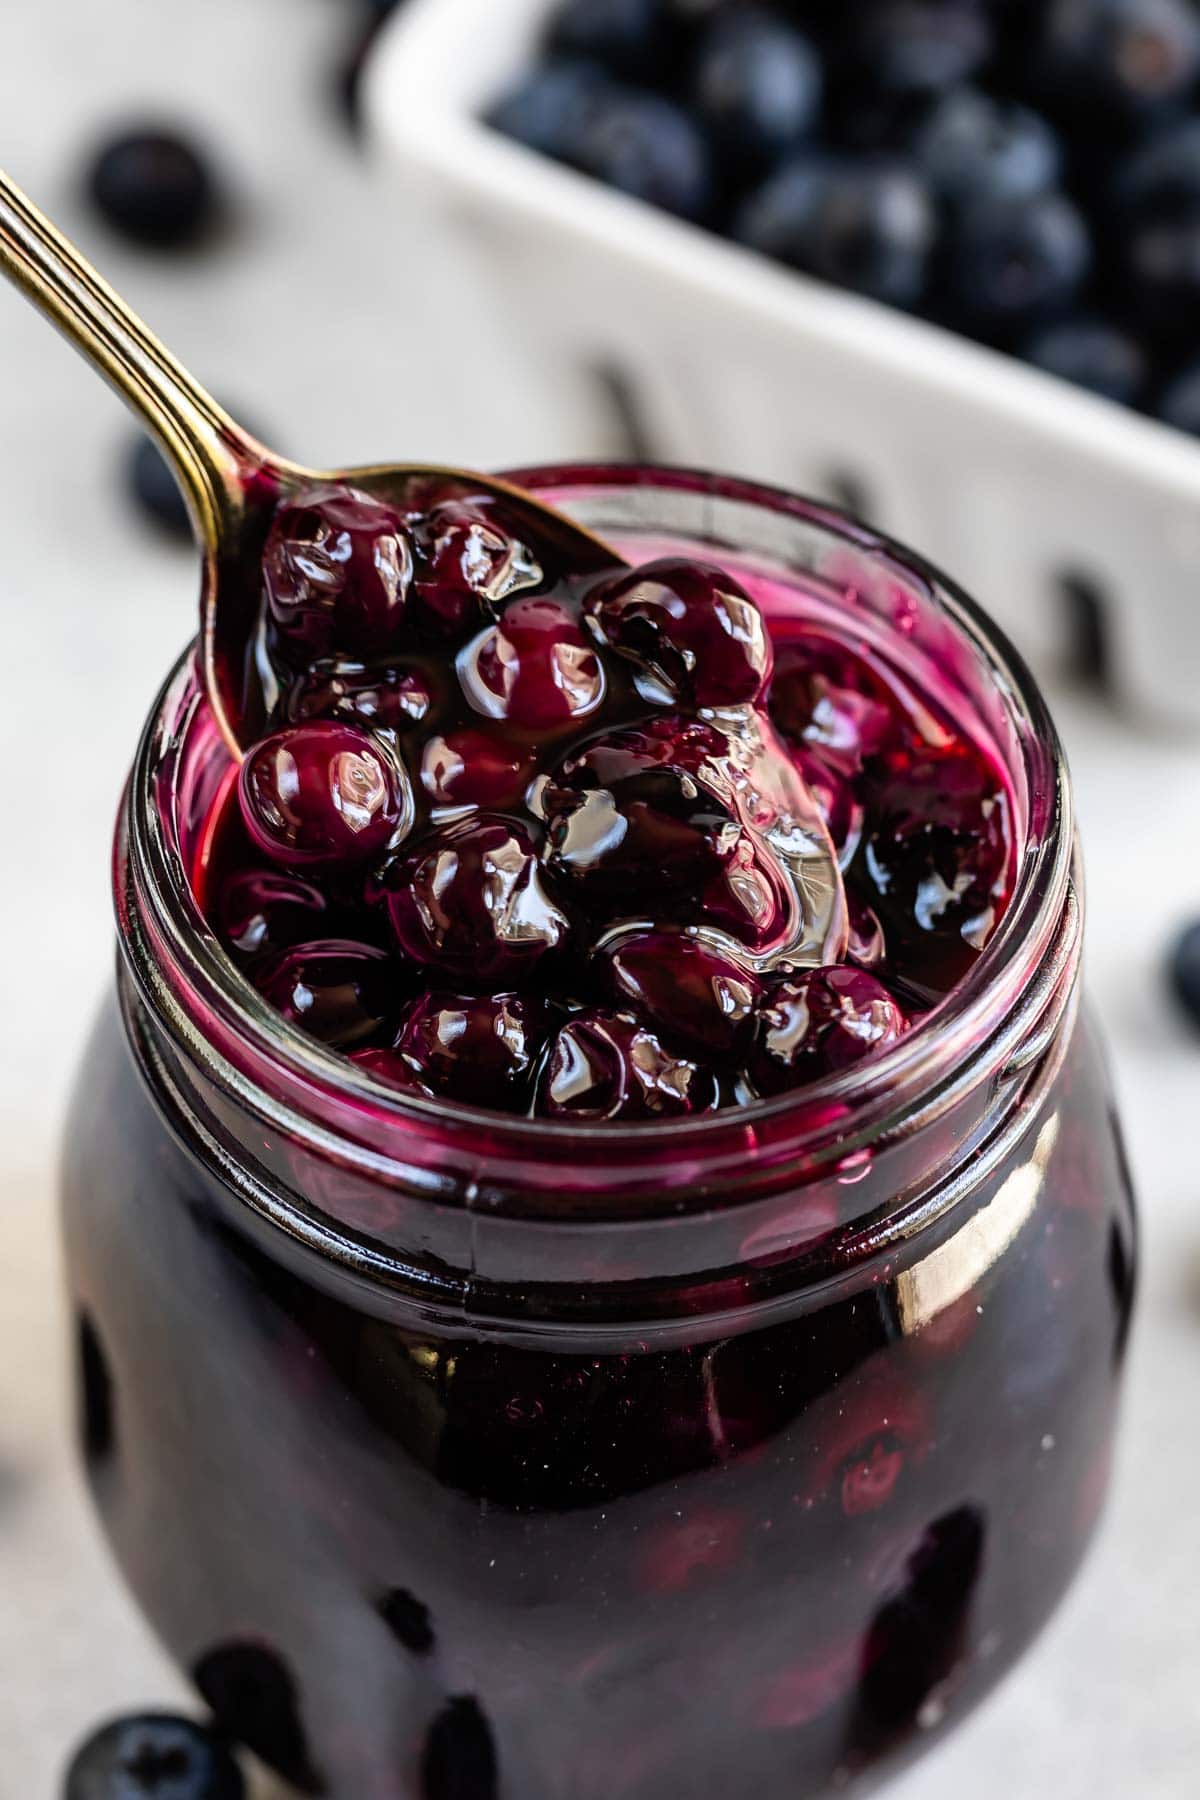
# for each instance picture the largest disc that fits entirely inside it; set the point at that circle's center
(325, 306)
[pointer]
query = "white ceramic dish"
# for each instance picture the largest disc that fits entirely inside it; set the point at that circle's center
(1008, 478)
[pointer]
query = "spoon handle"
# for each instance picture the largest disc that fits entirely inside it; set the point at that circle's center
(211, 456)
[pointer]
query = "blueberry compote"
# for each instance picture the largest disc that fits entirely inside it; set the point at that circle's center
(730, 1421)
(565, 843)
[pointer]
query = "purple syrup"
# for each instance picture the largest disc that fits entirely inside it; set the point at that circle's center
(573, 795)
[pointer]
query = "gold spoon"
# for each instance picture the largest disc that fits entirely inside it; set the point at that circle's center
(232, 483)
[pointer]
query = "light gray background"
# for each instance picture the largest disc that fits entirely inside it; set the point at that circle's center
(313, 319)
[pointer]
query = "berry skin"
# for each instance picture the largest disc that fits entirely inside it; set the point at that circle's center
(694, 996)
(633, 813)
(337, 569)
(1010, 265)
(757, 87)
(819, 1023)
(868, 226)
(469, 564)
(469, 902)
(157, 1757)
(1102, 63)
(627, 36)
(337, 990)
(322, 795)
(260, 911)
(473, 768)
(972, 147)
(646, 147)
(478, 1050)
(698, 631)
(534, 668)
(154, 188)
(605, 1066)
(1090, 353)
(545, 109)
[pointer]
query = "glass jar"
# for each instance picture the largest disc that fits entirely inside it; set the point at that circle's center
(456, 1454)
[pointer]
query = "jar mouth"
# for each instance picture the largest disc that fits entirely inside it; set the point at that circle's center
(206, 994)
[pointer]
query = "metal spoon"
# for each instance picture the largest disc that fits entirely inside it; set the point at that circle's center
(232, 483)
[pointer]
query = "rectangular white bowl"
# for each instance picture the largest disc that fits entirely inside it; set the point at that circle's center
(1009, 479)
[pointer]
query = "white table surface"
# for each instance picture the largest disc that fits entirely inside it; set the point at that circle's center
(308, 318)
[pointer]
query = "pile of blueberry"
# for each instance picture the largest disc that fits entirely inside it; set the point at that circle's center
(525, 838)
(1026, 172)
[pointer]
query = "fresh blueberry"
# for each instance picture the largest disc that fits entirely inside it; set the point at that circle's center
(630, 37)
(648, 147)
(1093, 354)
(1179, 402)
(1185, 970)
(545, 109)
(1155, 230)
(153, 485)
(154, 1757)
(153, 187)
(917, 47)
(973, 147)
(1102, 64)
(1010, 264)
(757, 87)
(866, 226)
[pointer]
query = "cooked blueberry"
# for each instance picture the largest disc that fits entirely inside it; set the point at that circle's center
(156, 1756)
(748, 895)
(389, 698)
(627, 36)
(153, 485)
(154, 187)
(868, 226)
(820, 1023)
(605, 1066)
(757, 87)
(534, 668)
(696, 997)
(917, 46)
(837, 802)
(1093, 354)
(833, 702)
(1012, 264)
(634, 814)
(322, 794)
(459, 1759)
(475, 768)
(337, 990)
(1104, 62)
(692, 625)
(469, 901)
(253, 1698)
(648, 147)
(469, 565)
(264, 910)
(1185, 971)
(1155, 230)
(480, 1049)
(337, 569)
(545, 110)
(1179, 402)
(974, 147)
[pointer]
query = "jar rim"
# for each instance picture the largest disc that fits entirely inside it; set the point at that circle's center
(151, 883)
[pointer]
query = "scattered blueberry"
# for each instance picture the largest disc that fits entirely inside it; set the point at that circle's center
(648, 147)
(154, 187)
(1185, 971)
(627, 36)
(1104, 63)
(757, 87)
(1012, 264)
(1093, 354)
(153, 485)
(865, 226)
(154, 1757)
(1179, 402)
(973, 147)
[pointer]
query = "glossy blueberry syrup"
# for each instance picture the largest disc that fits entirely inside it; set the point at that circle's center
(526, 838)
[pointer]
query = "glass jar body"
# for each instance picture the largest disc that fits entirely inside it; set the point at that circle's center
(463, 1457)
